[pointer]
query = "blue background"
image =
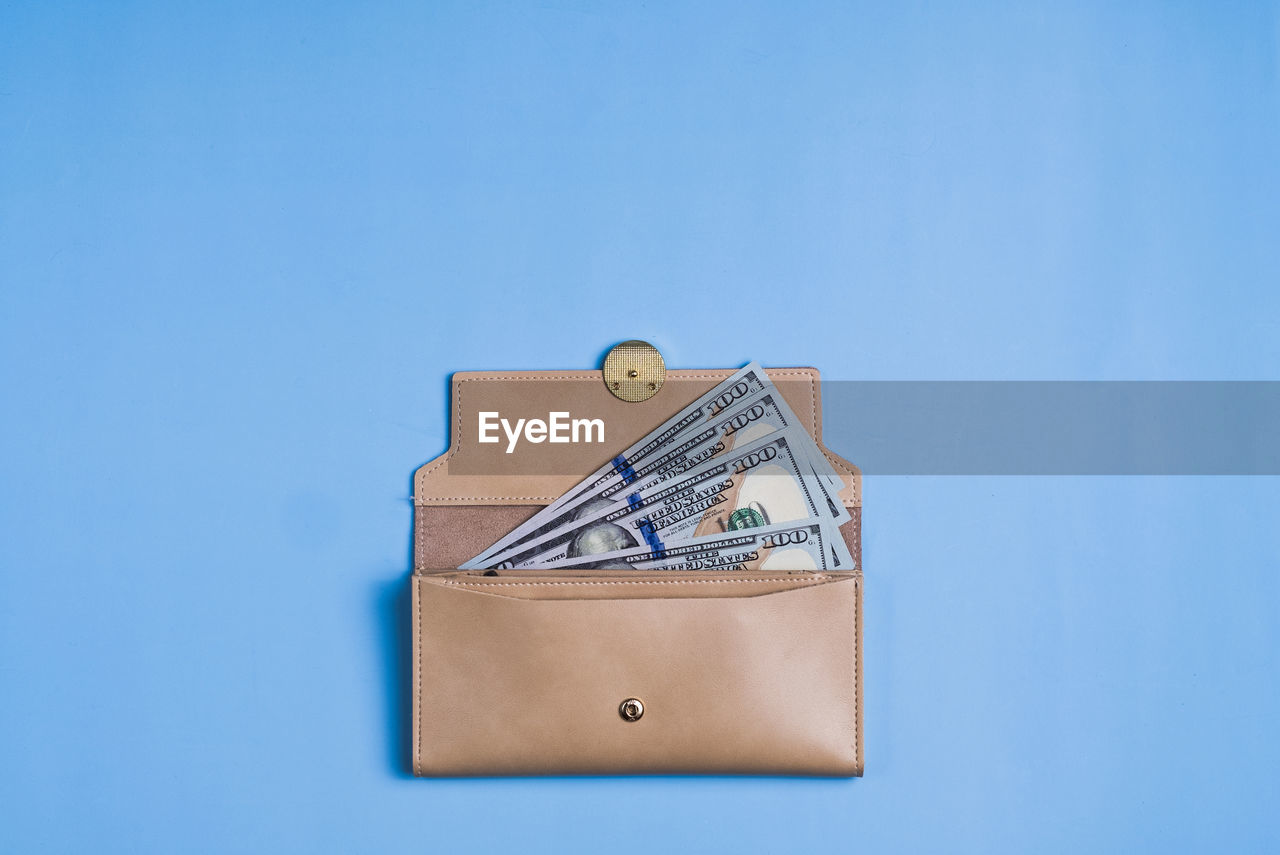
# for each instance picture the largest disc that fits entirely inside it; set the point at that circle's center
(242, 248)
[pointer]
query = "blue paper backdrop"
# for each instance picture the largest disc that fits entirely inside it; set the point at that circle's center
(242, 246)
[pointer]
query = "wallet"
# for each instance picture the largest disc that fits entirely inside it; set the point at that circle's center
(608, 672)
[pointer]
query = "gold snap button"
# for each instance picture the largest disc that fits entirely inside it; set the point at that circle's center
(631, 709)
(634, 371)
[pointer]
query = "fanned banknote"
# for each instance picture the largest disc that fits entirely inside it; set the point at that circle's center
(744, 407)
(789, 547)
(763, 483)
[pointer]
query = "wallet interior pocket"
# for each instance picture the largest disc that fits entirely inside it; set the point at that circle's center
(539, 672)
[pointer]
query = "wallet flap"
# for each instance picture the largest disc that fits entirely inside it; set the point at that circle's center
(517, 471)
(761, 679)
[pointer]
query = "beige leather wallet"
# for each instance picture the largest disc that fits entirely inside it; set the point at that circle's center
(532, 672)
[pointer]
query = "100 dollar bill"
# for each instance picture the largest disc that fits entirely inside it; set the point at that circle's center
(683, 441)
(812, 546)
(758, 416)
(762, 483)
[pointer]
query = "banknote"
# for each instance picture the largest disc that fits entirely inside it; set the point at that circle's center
(743, 407)
(757, 416)
(792, 546)
(762, 483)
(796, 442)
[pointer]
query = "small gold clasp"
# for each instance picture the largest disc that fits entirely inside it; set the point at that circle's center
(634, 371)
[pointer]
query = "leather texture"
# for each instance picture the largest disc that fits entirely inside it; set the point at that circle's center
(523, 672)
(522, 676)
